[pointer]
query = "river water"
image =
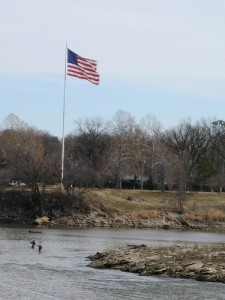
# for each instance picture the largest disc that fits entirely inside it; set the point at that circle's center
(61, 272)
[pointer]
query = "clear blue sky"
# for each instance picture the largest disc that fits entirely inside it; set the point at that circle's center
(158, 57)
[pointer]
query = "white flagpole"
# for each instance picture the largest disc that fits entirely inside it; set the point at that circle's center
(64, 106)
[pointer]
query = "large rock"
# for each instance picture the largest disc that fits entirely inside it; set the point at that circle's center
(41, 220)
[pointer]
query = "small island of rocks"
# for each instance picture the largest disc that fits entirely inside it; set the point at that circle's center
(204, 262)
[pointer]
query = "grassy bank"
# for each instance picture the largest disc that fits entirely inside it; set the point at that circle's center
(198, 207)
(124, 204)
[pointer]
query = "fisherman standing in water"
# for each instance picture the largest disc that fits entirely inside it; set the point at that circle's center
(33, 244)
(39, 247)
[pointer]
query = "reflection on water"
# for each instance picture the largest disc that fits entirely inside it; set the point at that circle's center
(61, 272)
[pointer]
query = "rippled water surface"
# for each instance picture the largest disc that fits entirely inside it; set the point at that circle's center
(61, 271)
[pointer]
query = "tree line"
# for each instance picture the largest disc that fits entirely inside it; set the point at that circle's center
(120, 153)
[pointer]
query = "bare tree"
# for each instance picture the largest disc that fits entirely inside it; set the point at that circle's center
(13, 122)
(217, 154)
(139, 153)
(92, 138)
(87, 147)
(30, 158)
(189, 142)
(118, 165)
(120, 148)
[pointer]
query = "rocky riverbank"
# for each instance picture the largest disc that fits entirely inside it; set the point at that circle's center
(194, 261)
(96, 219)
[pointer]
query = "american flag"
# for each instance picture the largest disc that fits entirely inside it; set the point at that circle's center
(81, 67)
